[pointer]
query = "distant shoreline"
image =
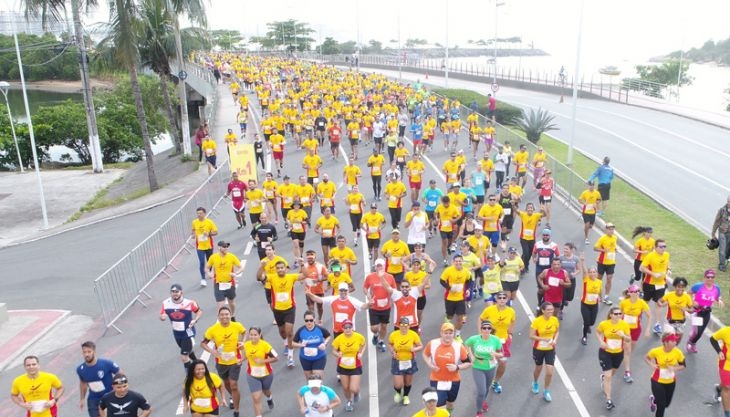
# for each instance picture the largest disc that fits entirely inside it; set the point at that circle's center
(61, 86)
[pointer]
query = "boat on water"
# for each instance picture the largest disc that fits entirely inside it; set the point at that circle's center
(609, 70)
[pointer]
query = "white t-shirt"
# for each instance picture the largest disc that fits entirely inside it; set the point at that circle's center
(417, 229)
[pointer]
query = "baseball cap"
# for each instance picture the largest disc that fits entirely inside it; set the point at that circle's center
(709, 272)
(178, 287)
(610, 225)
(447, 326)
(395, 232)
(633, 288)
(343, 286)
(314, 383)
(512, 250)
(380, 261)
(456, 184)
(373, 206)
(404, 320)
(453, 153)
(547, 231)
(336, 267)
(416, 204)
(224, 244)
(346, 322)
(486, 322)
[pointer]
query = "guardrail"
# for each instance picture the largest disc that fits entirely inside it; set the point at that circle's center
(125, 283)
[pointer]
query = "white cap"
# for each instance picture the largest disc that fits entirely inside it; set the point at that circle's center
(343, 286)
(314, 383)
(380, 261)
(430, 396)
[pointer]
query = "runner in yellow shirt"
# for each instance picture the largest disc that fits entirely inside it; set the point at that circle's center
(203, 230)
(327, 226)
(284, 305)
(590, 199)
(373, 223)
(520, 160)
(612, 334)
(35, 391)
(351, 173)
(606, 262)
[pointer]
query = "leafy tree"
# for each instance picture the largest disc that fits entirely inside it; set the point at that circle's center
(666, 73)
(374, 47)
(227, 39)
(330, 47)
(410, 43)
(289, 35)
(44, 58)
(348, 47)
(535, 123)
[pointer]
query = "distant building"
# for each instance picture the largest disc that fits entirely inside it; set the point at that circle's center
(11, 22)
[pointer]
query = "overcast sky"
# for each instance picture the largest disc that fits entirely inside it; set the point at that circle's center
(613, 30)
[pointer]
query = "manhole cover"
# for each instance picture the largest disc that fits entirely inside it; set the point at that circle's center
(4, 195)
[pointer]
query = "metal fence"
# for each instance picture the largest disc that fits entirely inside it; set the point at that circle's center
(125, 283)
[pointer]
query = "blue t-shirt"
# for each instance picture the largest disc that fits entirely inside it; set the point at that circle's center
(99, 376)
(470, 195)
(417, 130)
(312, 339)
(432, 197)
(478, 180)
(455, 115)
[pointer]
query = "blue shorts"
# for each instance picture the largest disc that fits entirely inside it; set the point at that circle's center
(445, 396)
(313, 365)
(493, 237)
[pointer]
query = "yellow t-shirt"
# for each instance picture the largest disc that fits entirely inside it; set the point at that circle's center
(656, 263)
(529, 224)
(644, 244)
(676, 303)
(306, 194)
(401, 154)
(202, 398)
(351, 174)
(277, 142)
(38, 389)
(394, 191)
(440, 412)
(282, 291)
(328, 226)
(270, 187)
(312, 163)
(256, 201)
(376, 164)
(539, 159)
(355, 202)
(403, 343)
(545, 328)
(590, 200)
(520, 159)
(223, 266)
(491, 214)
(202, 230)
(447, 217)
(353, 130)
(632, 311)
(373, 221)
(591, 291)
(664, 360)
(208, 147)
(398, 250)
(287, 193)
(723, 335)
(226, 337)
(415, 169)
(481, 245)
(609, 329)
(270, 268)
(297, 219)
(260, 350)
(327, 191)
(608, 243)
(456, 280)
(349, 346)
(451, 170)
(501, 320)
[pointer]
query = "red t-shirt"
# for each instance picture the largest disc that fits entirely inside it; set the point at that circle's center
(335, 133)
(378, 293)
(554, 291)
(237, 190)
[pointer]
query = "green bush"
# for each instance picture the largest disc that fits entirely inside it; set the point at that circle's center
(506, 113)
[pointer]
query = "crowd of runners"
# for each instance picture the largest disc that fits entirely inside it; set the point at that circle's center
(491, 239)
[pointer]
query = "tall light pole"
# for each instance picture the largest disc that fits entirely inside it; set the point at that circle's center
(4, 87)
(574, 108)
(30, 133)
(400, 51)
(446, 49)
(497, 4)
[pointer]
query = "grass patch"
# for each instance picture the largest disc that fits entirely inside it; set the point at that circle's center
(115, 165)
(99, 201)
(505, 113)
(629, 208)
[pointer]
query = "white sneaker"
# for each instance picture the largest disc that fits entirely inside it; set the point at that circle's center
(203, 283)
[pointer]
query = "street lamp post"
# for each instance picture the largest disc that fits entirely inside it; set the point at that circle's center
(446, 49)
(497, 4)
(4, 86)
(574, 104)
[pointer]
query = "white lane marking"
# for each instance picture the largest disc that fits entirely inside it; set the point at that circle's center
(372, 354)
(582, 410)
(247, 251)
(648, 151)
(579, 405)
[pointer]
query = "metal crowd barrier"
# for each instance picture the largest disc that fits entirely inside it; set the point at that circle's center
(125, 283)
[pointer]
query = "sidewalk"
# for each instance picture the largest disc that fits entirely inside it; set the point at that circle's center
(66, 191)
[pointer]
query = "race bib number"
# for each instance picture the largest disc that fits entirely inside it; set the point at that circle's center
(282, 297)
(393, 198)
(395, 260)
(415, 172)
(348, 362)
(310, 351)
(354, 207)
(258, 371)
(305, 200)
(401, 159)
(404, 365)
(327, 232)
(666, 373)
(373, 230)
(528, 233)
(613, 344)
(381, 302)
(628, 318)
(203, 402)
(326, 201)
(592, 298)
(457, 287)
(443, 385)
(589, 207)
(509, 276)
(340, 317)
(236, 193)
(269, 194)
(611, 256)
(542, 261)
(554, 282)
(225, 286)
(297, 227)
(228, 356)
(178, 326)
(547, 198)
(376, 170)
(97, 386)
(432, 204)
(202, 237)
(545, 344)
(478, 181)
(492, 287)
(508, 211)
(697, 321)
(445, 223)
(209, 152)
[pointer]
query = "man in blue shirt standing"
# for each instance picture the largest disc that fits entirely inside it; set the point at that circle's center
(604, 174)
(95, 377)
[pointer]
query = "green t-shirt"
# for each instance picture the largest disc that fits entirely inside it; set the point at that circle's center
(483, 349)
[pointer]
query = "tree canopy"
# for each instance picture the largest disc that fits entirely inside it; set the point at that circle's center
(711, 51)
(287, 35)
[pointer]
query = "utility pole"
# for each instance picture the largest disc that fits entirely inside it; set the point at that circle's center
(182, 92)
(94, 145)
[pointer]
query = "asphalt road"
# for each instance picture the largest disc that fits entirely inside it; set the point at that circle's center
(649, 148)
(148, 354)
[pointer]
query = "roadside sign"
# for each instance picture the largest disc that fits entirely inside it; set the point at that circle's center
(243, 161)
(495, 87)
(182, 75)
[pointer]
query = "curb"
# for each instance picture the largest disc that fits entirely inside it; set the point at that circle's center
(6, 361)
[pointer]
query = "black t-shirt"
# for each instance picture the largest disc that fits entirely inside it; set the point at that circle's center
(129, 405)
(264, 231)
(258, 146)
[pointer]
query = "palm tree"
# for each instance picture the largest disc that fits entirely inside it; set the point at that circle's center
(124, 28)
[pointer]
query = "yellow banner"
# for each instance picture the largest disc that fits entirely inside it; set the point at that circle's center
(243, 161)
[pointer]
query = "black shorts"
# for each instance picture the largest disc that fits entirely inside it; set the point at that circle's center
(313, 365)
(379, 316)
(221, 295)
(354, 142)
(421, 302)
(431, 215)
(211, 160)
(445, 396)
(541, 357)
(185, 344)
(508, 222)
(589, 218)
(605, 269)
(328, 241)
(395, 368)
(298, 236)
(378, 141)
(480, 198)
(397, 276)
(446, 235)
(231, 372)
(373, 243)
(609, 360)
(542, 200)
(605, 191)
(510, 286)
(651, 293)
(334, 145)
(521, 174)
(349, 372)
(455, 308)
(285, 316)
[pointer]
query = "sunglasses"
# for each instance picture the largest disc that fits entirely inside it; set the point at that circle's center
(661, 246)
(709, 277)
(486, 328)
(309, 320)
(120, 381)
(616, 314)
(501, 298)
(633, 292)
(175, 291)
(346, 327)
